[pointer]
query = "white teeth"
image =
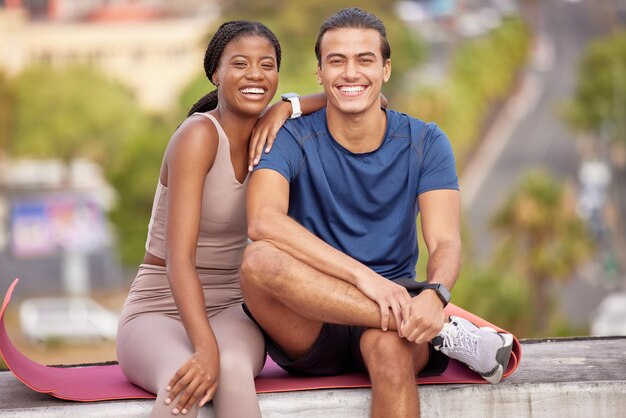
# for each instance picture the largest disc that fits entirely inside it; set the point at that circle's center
(252, 90)
(351, 89)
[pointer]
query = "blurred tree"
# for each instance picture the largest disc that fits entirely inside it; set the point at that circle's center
(197, 88)
(76, 112)
(139, 159)
(599, 103)
(542, 238)
(482, 74)
(72, 112)
(7, 112)
(498, 295)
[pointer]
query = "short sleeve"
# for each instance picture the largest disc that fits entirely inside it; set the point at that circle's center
(285, 157)
(438, 167)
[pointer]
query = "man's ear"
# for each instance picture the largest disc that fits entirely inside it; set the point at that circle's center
(319, 74)
(387, 70)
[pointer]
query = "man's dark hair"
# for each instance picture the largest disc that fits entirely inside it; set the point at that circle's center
(226, 33)
(354, 18)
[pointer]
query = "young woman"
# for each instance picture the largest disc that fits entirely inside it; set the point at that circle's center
(183, 334)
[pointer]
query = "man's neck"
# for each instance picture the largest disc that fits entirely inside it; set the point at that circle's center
(359, 133)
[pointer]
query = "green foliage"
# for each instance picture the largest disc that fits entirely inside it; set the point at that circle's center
(197, 88)
(496, 295)
(482, 74)
(73, 112)
(599, 103)
(7, 112)
(541, 232)
(3, 365)
(542, 238)
(134, 176)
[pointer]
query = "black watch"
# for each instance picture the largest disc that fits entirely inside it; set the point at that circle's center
(442, 292)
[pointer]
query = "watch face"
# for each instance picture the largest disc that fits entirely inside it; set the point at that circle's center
(445, 293)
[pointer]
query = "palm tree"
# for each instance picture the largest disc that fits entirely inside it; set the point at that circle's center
(542, 237)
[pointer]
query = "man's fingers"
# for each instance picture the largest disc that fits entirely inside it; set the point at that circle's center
(397, 314)
(404, 327)
(413, 335)
(384, 316)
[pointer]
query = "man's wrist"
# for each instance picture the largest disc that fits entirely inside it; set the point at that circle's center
(440, 291)
(434, 295)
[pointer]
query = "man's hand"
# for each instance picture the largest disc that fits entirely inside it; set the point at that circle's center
(388, 295)
(195, 380)
(423, 317)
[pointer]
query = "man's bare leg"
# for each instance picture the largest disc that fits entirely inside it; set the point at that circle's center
(392, 363)
(292, 300)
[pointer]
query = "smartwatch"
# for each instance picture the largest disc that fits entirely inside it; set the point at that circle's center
(442, 292)
(294, 98)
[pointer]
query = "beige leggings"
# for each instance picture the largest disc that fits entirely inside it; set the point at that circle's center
(152, 343)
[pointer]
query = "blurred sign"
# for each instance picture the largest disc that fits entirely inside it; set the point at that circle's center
(43, 226)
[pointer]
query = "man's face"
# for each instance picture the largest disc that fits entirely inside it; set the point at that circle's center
(352, 69)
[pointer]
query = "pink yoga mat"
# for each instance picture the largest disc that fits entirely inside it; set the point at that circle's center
(106, 382)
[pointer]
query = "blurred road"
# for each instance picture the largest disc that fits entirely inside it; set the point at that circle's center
(529, 133)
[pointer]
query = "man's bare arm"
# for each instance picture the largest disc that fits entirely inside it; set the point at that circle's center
(267, 205)
(441, 228)
(441, 225)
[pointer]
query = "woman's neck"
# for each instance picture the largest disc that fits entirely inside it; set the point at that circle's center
(238, 128)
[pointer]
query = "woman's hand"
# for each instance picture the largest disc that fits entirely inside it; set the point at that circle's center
(196, 379)
(265, 131)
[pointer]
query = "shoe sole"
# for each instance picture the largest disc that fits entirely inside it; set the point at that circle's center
(502, 357)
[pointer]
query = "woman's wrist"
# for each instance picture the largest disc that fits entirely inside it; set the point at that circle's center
(285, 108)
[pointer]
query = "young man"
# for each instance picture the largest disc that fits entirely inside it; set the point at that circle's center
(332, 210)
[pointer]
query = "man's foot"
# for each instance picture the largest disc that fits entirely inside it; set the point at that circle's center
(483, 350)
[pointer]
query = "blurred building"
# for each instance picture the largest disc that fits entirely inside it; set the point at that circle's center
(155, 47)
(54, 232)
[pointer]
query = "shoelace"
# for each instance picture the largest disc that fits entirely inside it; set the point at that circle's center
(461, 338)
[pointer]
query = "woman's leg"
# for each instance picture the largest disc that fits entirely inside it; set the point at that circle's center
(150, 349)
(242, 355)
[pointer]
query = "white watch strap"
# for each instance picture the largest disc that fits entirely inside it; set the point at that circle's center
(296, 111)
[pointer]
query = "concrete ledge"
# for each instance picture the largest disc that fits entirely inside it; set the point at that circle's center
(579, 377)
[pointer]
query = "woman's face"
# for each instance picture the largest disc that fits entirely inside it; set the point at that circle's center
(247, 75)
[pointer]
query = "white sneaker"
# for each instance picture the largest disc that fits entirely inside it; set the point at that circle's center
(483, 350)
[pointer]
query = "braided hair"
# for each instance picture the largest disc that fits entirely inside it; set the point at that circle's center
(226, 33)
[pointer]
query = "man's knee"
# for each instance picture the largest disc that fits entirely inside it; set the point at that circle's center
(260, 266)
(387, 356)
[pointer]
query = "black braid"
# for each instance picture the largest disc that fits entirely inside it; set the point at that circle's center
(226, 33)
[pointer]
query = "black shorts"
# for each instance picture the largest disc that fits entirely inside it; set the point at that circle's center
(337, 351)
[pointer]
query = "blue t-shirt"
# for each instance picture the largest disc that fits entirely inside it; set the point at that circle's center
(364, 205)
